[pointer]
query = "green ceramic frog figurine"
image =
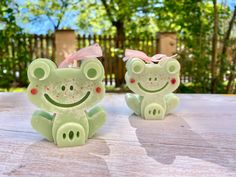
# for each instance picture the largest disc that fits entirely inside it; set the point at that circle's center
(66, 94)
(152, 79)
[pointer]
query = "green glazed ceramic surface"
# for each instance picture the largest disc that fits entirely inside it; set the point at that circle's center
(66, 97)
(153, 85)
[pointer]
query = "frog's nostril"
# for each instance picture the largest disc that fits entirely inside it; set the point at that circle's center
(63, 88)
(71, 87)
(155, 79)
(150, 79)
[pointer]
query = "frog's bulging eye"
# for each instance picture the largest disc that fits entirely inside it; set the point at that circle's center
(71, 87)
(39, 70)
(63, 88)
(173, 67)
(93, 70)
(137, 66)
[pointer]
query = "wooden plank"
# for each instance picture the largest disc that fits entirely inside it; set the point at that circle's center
(119, 63)
(89, 40)
(47, 41)
(111, 59)
(106, 59)
(83, 41)
(78, 41)
(42, 50)
(197, 139)
(94, 39)
(53, 48)
(152, 40)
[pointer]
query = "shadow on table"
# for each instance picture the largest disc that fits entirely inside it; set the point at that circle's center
(45, 159)
(164, 140)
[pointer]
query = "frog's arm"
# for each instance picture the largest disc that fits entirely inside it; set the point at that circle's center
(96, 118)
(42, 122)
(134, 102)
(172, 102)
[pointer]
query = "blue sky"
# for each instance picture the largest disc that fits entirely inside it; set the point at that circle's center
(43, 25)
(231, 3)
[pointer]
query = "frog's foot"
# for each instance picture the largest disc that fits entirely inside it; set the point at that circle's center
(134, 103)
(154, 111)
(70, 134)
(42, 122)
(172, 102)
(96, 118)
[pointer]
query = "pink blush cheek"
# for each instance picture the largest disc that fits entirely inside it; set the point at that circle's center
(173, 81)
(132, 81)
(98, 89)
(33, 91)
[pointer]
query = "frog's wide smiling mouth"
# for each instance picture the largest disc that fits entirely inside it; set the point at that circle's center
(49, 99)
(152, 91)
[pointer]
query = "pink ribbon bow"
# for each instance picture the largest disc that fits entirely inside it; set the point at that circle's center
(84, 53)
(139, 54)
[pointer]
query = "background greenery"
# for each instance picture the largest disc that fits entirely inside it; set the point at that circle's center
(205, 30)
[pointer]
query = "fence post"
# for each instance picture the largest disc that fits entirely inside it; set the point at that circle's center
(66, 42)
(167, 43)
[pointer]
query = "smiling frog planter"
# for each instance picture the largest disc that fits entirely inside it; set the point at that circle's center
(152, 83)
(66, 94)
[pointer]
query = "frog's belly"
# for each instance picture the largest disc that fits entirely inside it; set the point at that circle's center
(153, 108)
(62, 119)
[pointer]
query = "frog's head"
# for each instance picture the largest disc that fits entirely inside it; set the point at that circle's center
(59, 89)
(161, 78)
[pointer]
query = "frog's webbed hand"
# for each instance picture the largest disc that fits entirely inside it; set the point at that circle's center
(172, 102)
(96, 118)
(134, 102)
(42, 122)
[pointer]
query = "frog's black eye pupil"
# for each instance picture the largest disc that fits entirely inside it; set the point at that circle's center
(63, 88)
(71, 87)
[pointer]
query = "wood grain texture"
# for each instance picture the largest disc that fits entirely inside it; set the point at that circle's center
(197, 139)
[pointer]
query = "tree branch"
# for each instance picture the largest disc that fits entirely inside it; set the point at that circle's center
(214, 48)
(226, 43)
(232, 74)
(63, 10)
(108, 11)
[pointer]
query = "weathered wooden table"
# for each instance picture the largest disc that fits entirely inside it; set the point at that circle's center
(198, 139)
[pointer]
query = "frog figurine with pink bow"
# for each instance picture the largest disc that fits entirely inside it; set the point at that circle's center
(66, 97)
(152, 79)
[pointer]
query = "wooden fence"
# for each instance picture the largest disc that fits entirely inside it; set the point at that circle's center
(18, 53)
(113, 53)
(42, 46)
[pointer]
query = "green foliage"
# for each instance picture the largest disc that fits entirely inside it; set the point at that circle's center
(192, 20)
(93, 18)
(13, 52)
